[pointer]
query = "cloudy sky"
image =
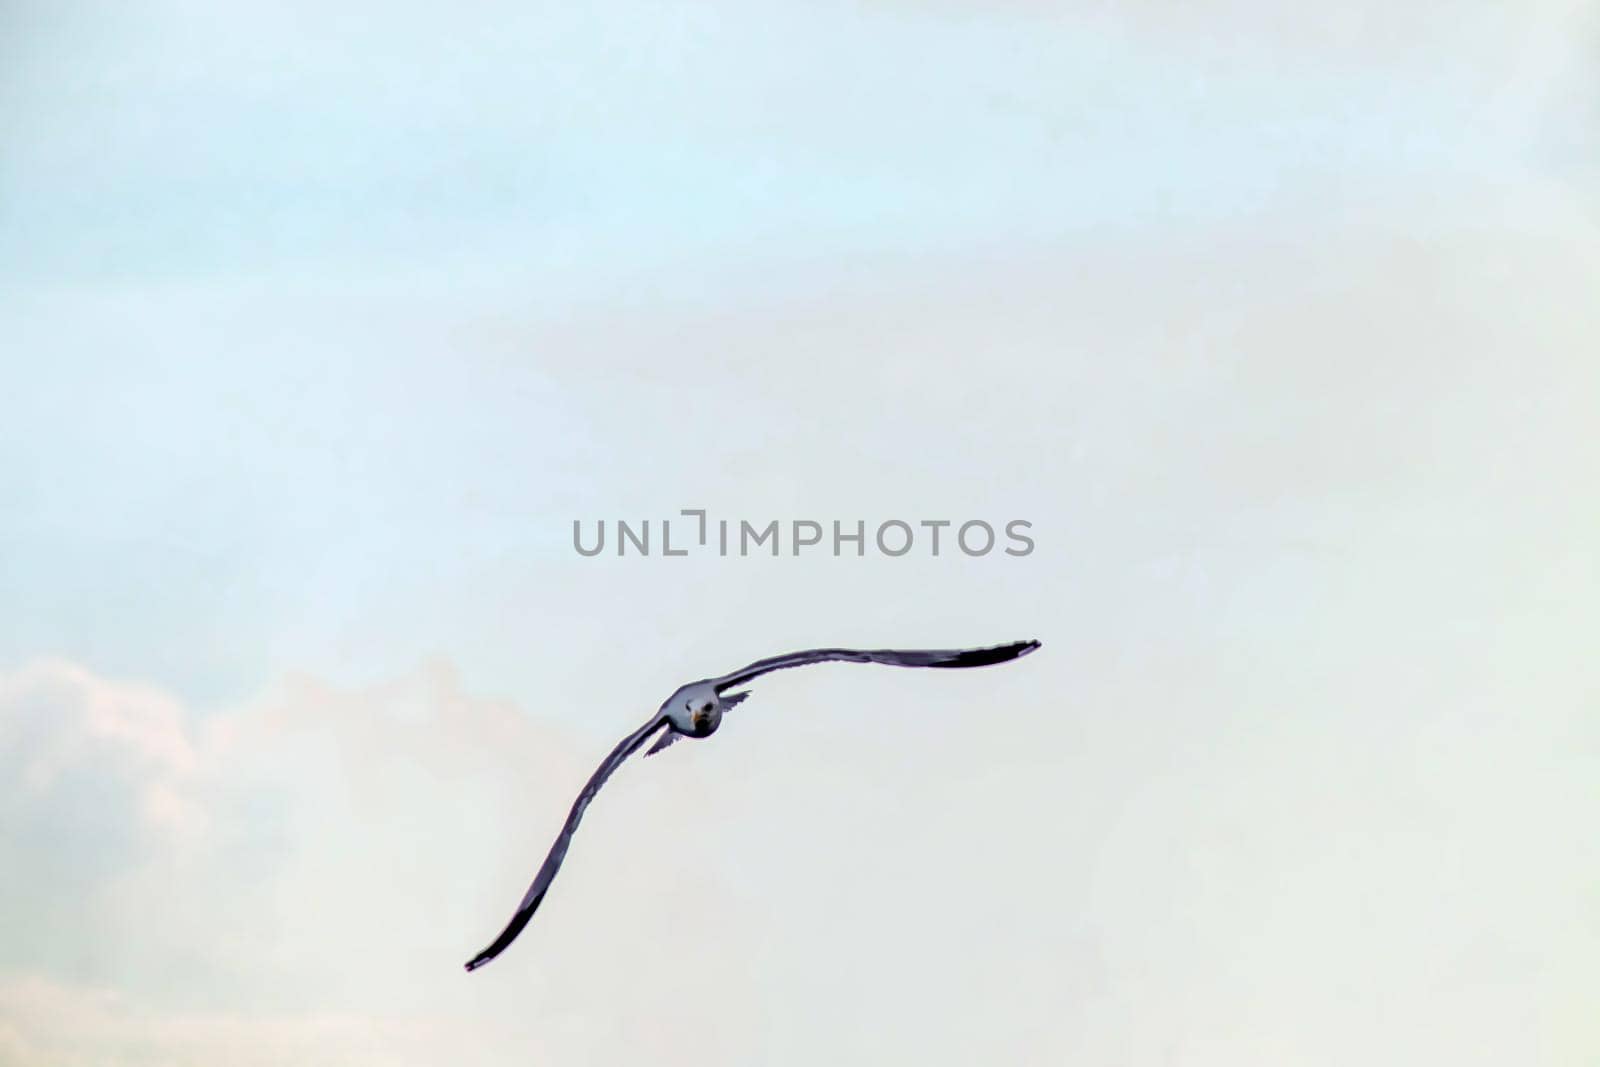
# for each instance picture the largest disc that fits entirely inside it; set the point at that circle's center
(318, 329)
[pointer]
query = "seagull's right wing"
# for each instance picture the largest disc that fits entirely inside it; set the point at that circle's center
(558, 851)
(947, 657)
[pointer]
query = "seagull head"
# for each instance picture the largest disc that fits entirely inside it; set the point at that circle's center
(695, 710)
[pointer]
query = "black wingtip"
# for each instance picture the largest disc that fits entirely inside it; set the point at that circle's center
(508, 935)
(485, 956)
(1018, 649)
(983, 657)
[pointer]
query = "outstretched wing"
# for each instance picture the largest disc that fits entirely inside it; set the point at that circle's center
(949, 657)
(558, 851)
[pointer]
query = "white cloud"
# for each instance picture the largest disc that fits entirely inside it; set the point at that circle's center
(93, 777)
(341, 854)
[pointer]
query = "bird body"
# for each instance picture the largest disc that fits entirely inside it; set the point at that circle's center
(696, 710)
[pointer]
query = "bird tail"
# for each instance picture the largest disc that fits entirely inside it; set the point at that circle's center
(668, 737)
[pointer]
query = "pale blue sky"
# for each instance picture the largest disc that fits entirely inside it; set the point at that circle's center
(227, 224)
(176, 141)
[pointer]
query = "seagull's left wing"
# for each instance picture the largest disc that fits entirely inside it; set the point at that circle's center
(558, 851)
(947, 657)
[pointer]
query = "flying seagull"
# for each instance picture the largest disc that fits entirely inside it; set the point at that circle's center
(695, 710)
